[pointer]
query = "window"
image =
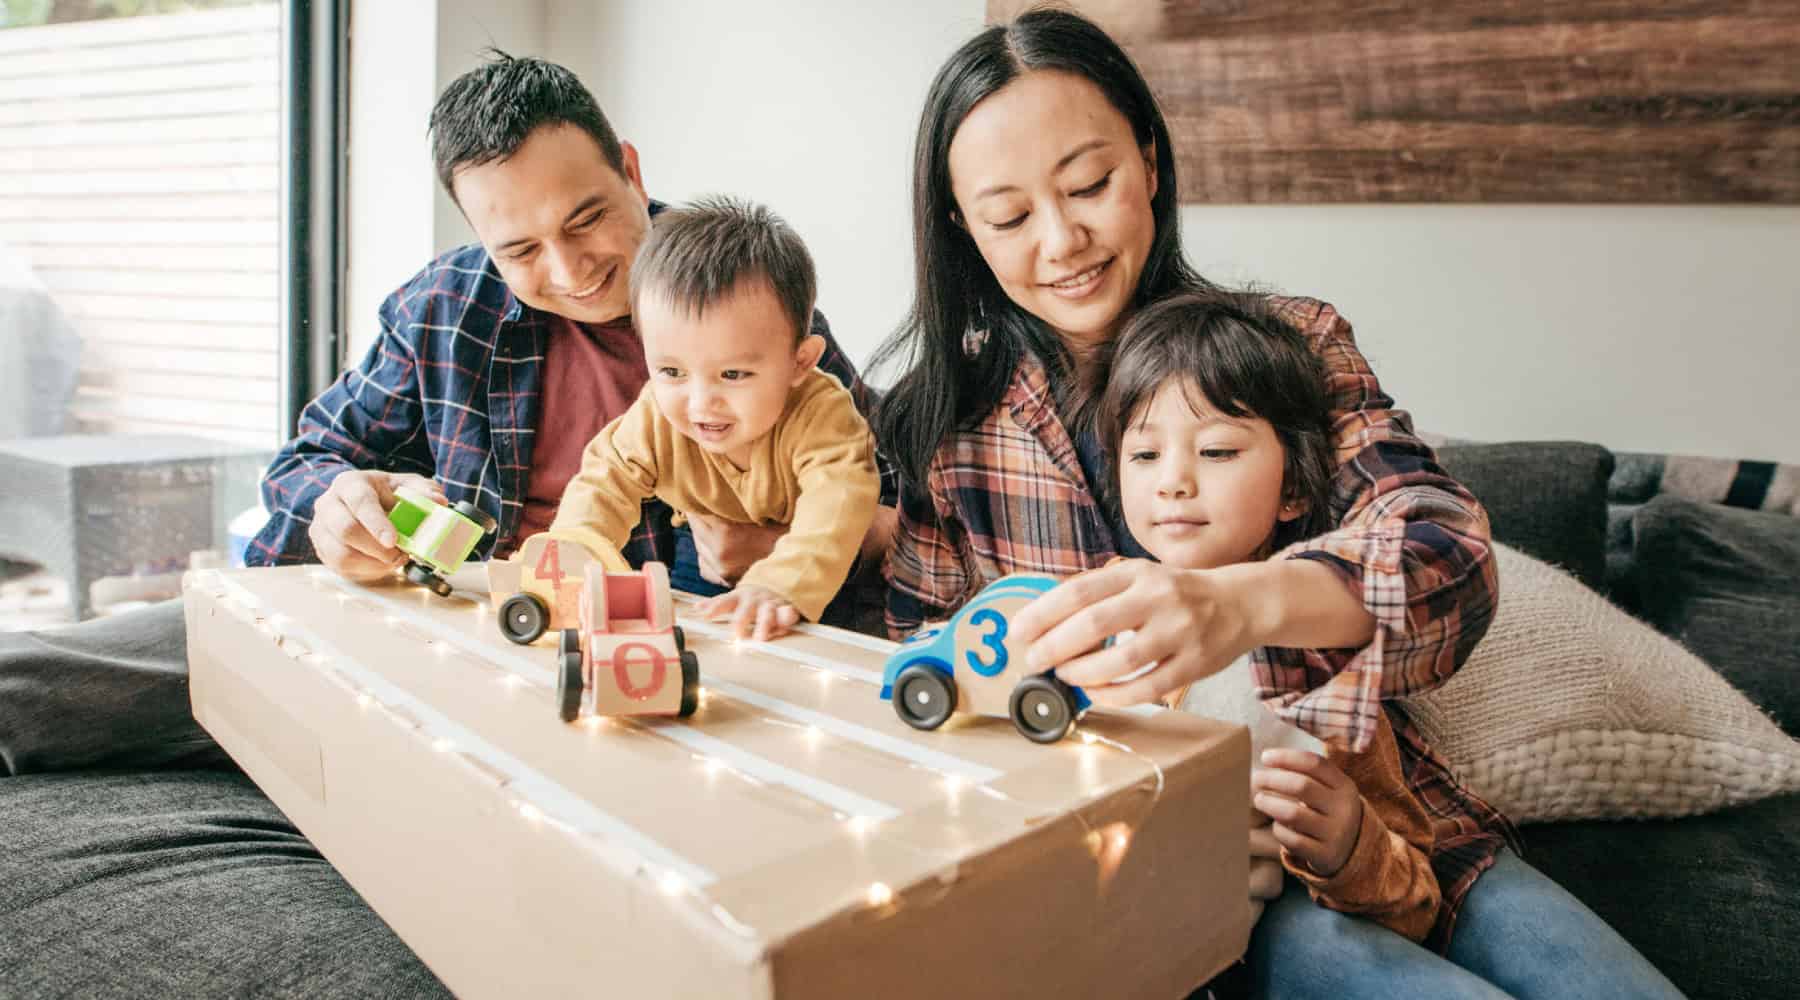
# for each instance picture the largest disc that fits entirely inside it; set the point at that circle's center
(140, 234)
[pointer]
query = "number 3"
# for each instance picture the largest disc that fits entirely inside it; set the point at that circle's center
(988, 616)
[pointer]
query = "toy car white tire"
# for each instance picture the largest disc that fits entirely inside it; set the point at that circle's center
(1043, 709)
(523, 618)
(923, 697)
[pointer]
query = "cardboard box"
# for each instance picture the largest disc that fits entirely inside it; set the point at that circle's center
(792, 839)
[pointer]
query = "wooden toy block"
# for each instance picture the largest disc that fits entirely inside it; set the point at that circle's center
(628, 656)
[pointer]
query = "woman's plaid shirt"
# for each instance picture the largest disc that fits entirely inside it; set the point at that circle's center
(1008, 495)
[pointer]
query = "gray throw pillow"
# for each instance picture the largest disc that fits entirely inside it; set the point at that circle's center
(1545, 498)
(1726, 583)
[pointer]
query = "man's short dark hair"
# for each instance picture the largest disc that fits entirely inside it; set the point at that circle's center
(697, 255)
(487, 113)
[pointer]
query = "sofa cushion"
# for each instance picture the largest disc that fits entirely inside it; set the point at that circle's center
(1544, 498)
(1726, 582)
(1569, 708)
(1709, 900)
(179, 884)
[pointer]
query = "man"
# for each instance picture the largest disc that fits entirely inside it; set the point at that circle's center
(499, 362)
(493, 367)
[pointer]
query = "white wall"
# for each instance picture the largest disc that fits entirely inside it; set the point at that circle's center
(1643, 328)
(807, 106)
(399, 217)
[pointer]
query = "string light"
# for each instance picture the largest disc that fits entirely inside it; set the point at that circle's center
(1108, 843)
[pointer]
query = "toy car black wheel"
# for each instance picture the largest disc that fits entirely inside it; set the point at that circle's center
(690, 683)
(523, 618)
(422, 575)
(1043, 709)
(568, 675)
(482, 518)
(923, 697)
(680, 639)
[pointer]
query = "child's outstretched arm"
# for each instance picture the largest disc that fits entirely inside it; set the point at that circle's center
(833, 458)
(604, 501)
(1336, 843)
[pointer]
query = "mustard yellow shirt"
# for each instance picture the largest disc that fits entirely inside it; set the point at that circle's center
(814, 471)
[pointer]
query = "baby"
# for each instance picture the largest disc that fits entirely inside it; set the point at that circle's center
(736, 421)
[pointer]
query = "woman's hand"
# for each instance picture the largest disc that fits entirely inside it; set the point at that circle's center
(756, 612)
(1316, 807)
(1187, 625)
(727, 549)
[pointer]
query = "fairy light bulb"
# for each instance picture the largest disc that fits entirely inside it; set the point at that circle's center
(671, 884)
(880, 895)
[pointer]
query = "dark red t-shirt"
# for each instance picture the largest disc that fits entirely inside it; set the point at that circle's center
(593, 372)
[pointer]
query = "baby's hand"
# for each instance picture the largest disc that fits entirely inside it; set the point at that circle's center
(755, 612)
(1316, 808)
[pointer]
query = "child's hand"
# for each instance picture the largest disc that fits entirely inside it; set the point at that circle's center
(755, 612)
(1316, 808)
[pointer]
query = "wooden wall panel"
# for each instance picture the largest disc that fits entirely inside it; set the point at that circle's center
(1466, 101)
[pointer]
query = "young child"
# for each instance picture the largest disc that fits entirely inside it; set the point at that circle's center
(1216, 412)
(736, 422)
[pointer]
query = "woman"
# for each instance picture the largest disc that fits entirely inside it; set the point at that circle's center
(1044, 217)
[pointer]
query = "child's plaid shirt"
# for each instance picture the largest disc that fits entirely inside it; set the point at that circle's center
(1008, 495)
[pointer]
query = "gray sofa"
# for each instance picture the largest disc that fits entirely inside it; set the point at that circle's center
(185, 881)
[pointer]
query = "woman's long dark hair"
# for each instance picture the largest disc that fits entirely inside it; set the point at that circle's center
(945, 388)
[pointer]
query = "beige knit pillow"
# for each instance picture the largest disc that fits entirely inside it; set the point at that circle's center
(1572, 709)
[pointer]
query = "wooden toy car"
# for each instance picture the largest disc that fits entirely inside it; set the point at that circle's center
(625, 648)
(436, 539)
(969, 664)
(538, 588)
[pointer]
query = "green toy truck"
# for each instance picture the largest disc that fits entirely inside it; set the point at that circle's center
(435, 538)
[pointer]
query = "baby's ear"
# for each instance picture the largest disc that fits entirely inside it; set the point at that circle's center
(806, 356)
(1292, 509)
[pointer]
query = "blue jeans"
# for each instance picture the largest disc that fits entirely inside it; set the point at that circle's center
(684, 574)
(1519, 934)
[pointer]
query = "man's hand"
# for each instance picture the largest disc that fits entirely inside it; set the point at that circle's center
(1316, 807)
(350, 530)
(756, 612)
(727, 549)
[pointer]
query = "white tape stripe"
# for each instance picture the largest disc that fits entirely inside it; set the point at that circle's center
(785, 652)
(539, 674)
(765, 770)
(826, 632)
(933, 759)
(824, 792)
(552, 799)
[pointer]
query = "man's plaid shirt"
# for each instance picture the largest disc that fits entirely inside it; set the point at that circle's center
(450, 390)
(1008, 495)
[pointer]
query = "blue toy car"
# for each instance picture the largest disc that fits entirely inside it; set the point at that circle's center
(969, 663)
